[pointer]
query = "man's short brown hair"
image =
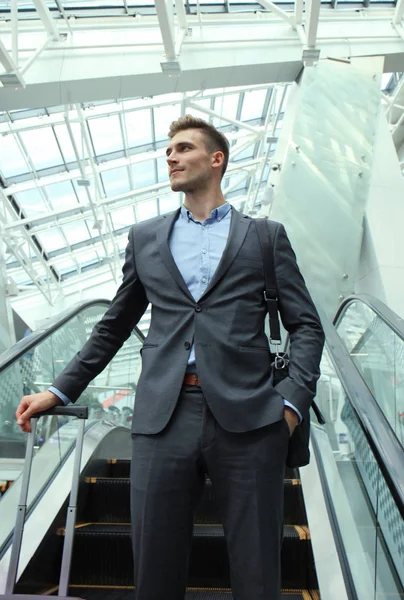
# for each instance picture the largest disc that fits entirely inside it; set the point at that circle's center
(214, 140)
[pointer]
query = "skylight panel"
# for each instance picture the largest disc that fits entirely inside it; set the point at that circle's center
(143, 174)
(123, 217)
(116, 181)
(76, 233)
(12, 160)
(106, 134)
(205, 103)
(65, 143)
(61, 195)
(162, 169)
(32, 203)
(245, 155)
(169, 202)
(138, 127)
(146, 210)
(51, 240)
(88, 258)
(163, 117)
(226, 105)
(253, 105)
(42, 147)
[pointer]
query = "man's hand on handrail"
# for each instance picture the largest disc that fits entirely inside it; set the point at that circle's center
(30, 405)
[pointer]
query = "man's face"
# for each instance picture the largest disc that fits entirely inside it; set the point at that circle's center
(189, 162)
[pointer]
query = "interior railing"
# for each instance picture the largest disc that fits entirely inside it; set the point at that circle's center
(374, 337)
(361, 463)
(31, 366)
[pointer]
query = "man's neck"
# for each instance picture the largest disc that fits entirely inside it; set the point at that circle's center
(201, 206)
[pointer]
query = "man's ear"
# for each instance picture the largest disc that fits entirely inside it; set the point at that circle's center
(217, 159)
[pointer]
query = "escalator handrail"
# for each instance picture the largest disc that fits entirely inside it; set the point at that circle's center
(386, 447)
(391, 319)
(26, 344)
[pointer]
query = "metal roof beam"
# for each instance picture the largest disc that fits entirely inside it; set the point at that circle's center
(48, 21)
(212, 113)
(164, 10)
(224, 50)
(312, 23)
(399, 12)
(115, 202)
(277, 11)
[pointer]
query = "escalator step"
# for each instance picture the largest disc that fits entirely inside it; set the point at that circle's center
(103, 556)
(99, 593)
(119, 467)
(108, 500)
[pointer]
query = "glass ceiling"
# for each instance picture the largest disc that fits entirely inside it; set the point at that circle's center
(76, 178)
(87, 8)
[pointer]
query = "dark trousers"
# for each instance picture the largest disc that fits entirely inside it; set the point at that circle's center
(168, 473)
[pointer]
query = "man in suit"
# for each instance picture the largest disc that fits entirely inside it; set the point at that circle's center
(205, 400)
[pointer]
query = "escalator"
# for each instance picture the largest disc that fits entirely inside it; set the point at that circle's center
(336, 536)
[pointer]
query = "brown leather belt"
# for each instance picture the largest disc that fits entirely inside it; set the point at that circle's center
(191, 379)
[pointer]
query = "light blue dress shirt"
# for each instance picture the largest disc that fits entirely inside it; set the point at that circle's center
(197, 249)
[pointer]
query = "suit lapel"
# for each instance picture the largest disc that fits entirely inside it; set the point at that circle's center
(239, 225)
(163, 235)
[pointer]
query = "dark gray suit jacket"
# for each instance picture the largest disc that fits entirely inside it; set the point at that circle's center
(226, 325)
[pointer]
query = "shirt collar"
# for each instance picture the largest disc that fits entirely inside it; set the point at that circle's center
(217, 214)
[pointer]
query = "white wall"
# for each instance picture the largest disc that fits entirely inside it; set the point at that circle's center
(381, 267)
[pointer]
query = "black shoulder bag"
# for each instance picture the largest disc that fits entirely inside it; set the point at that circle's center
(298, 452)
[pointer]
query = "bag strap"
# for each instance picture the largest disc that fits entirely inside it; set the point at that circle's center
(271, 291)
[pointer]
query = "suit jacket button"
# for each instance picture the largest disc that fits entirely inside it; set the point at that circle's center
(187, 345)
(198, 308)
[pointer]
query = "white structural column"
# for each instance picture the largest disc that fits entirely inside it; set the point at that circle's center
(126, 60)
(324, 158)
(381, 267)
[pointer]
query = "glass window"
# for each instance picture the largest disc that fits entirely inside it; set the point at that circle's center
(32, 203)
(162, 169)
(12, 160)
(42, 147)
(163, 117)
(116, 181)
(61, 195)
(146, 210)
(51, 240)
(169, 202)
(106, 134)
(205, 103)
(253, 105)
(65, 143)
(138, 127)
(226, 105)
(143, 174)
(123, 217)
(76, 232)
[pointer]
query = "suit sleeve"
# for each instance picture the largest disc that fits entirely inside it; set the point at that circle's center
(300, 318)
(107, 337)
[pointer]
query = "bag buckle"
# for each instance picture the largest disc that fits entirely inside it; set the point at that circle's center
(281, 362)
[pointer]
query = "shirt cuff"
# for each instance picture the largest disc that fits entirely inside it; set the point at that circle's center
(287, 403)
(59, 394)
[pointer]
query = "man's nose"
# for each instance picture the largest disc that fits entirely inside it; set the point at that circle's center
(172, 159)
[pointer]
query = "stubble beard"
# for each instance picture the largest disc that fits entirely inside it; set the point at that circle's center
(188, 186)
